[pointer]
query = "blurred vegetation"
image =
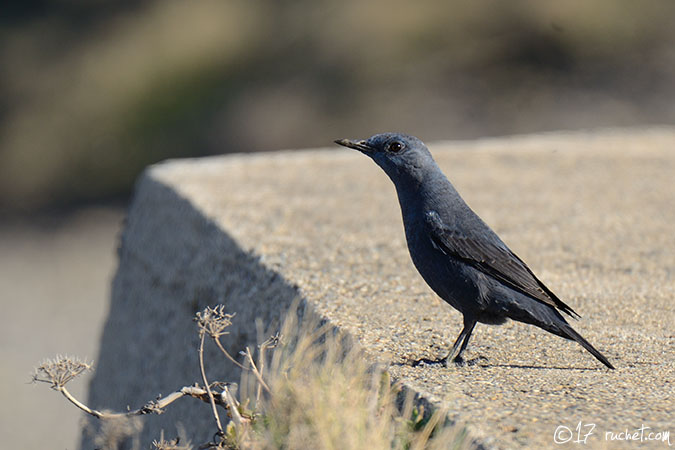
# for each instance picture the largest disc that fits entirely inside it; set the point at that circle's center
(93, 91)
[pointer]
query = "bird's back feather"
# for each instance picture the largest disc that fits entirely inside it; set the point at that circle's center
(492, 257)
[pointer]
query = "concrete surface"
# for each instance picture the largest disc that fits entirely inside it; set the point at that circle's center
(54, 287)
(591, 213)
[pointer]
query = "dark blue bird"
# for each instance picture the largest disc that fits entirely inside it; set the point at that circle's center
(457, 254)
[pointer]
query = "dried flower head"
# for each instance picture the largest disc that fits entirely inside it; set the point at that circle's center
(60, 370)
(173, 444)
(273, 341)
(213, 321)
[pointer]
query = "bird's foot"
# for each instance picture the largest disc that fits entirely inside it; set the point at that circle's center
(457, 360)
(429, 362)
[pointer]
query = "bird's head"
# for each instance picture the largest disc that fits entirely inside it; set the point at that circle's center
(401, 156)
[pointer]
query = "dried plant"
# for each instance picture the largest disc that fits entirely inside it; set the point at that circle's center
(214, 321)
(60, 370)
(312, 389)
(173, 444)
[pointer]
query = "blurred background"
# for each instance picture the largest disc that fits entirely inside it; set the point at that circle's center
(93, 91)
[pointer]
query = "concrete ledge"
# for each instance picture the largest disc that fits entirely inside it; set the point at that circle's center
(592, 213)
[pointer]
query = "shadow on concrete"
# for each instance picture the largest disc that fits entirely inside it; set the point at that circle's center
(165, 275)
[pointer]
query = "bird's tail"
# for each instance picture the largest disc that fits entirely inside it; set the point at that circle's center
(552, 321)
(525, 309)
(572, 334)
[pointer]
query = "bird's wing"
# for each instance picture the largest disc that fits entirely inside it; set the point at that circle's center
(494, 259)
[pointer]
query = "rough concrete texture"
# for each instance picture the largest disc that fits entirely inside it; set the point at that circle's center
(591, 213)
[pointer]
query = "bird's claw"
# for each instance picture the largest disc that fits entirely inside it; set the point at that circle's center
(429, 362)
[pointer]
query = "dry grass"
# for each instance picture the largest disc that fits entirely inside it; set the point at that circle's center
(323, 394)
(305, 387)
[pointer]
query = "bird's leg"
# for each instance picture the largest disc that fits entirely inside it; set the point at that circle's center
(464, 338)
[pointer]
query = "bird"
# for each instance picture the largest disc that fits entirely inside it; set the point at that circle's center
(458, 255)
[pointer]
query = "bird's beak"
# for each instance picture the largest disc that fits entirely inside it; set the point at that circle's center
(356, 145)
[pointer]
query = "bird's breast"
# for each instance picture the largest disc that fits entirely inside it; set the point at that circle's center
(447, 276)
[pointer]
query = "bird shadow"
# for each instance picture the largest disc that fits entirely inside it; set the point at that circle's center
(442, 362)
(482, 361)
(532, 366)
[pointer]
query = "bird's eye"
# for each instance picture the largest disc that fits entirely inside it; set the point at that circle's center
(395, 147)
